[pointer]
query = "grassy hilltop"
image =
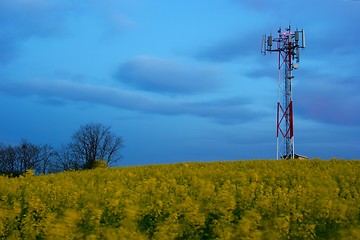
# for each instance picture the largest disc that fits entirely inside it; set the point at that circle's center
(285, 199)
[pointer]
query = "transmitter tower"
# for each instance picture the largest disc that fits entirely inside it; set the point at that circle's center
(287, 44)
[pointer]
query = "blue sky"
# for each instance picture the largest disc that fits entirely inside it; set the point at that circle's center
(178, 80)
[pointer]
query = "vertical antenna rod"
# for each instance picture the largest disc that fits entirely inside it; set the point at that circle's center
(287, 45)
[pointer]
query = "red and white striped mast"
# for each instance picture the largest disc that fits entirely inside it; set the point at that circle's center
(288, 45)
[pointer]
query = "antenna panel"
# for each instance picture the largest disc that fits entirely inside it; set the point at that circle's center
(297, 36)
(269, 42)
(303, 38)
(263, 47)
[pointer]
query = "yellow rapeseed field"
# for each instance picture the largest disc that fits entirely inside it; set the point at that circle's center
(285, 199)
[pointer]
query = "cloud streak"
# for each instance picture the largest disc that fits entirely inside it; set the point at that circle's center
(223, 111)
(167, 76)
(223, 51)
(231, 48)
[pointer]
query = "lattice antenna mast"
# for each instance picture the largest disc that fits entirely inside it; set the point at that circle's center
(287, 45)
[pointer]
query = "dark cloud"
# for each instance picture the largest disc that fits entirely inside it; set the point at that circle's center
(260, 73)
(223, 51)
(21, 20)
(162, 75)
(328, 31)
(231, 48)
(329, 100)
(266, 70)
(325, 90)
(224, 111)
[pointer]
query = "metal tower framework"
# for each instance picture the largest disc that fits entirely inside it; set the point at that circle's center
(287, 45)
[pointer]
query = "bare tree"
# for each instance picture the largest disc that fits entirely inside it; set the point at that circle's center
(67, 160)
(14, 161)
(93, 142)
(46, 159)
(28, 156)
(8, 160)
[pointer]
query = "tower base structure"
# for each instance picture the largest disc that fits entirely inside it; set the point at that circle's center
(296, 156)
